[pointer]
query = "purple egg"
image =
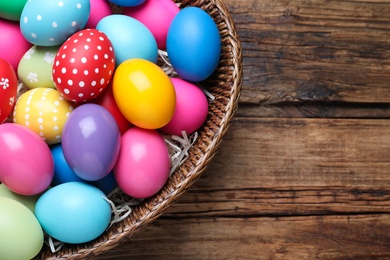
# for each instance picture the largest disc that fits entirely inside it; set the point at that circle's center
(91, 142)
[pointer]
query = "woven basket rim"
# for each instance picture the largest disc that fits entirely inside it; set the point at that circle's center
(159, 203)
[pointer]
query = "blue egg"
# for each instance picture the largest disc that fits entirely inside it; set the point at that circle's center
(62, 171)
(52, 22)
(107, 184)
(193, 44)
(73, 212)
(127, 3)
(129, 37)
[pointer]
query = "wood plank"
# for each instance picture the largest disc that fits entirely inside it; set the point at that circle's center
(328, 52)
(267, 153)
(293, 201)
(320, 237)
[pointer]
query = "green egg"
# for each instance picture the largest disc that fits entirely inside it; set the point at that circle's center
(35, 67)
(11, 10)
(28, 201)
(21, 234)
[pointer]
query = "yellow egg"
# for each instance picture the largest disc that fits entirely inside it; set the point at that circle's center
(44, 111)
(144, 93)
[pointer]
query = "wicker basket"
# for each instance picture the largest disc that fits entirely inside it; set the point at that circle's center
(225, 86)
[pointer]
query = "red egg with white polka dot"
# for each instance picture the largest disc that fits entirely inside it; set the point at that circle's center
(8, 89)
(84, 65)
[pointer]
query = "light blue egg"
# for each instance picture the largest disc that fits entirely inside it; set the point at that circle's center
(129, 37)
(73, 212)
(193, 44)
(52, 22)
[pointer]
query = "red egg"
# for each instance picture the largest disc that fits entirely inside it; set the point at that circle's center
(106, 100)
(84, 65)
(8, 89)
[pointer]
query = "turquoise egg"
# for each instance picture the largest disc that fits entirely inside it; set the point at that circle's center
(52, 22)
(129, 37)
(73, 212)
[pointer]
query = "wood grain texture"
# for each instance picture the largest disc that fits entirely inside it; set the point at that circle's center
(310, 55)
(282, 188)
(304, 170)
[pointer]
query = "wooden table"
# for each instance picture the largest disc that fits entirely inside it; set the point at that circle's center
(304, 171)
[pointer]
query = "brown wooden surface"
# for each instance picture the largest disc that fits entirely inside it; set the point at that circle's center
(304, 172)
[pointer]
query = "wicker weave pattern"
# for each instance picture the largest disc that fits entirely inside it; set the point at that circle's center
(225, 85)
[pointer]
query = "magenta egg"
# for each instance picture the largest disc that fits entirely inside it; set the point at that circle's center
(191, 108)
(26, 164)
(156, 15)
(143, 164)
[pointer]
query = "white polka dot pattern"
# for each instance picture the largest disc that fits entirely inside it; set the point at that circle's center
(51, 22)
(84, 65)
(44, 111)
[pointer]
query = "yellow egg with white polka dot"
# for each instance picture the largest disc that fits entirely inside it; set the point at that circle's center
(44, 111)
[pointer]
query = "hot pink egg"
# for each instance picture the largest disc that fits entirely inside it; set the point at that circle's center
(143, 164)
(99, 10)
(12, 45)
(191, 108)
(156, 15)
(26, 163)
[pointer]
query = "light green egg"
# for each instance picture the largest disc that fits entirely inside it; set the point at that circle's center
(28, 201)
(35, 67)
(21, 234)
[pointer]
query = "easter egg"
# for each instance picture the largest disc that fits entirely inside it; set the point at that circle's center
(127, 2)
(12, 45)
(44, 111)
(144, 93)
(106, 100)
(107, 184)
(28, 201)
(191, 108)
(62, 171)
(21, 234)
(11, 10)
(91, 141)
(26, 164)
(99, 10)
(143, 164)
(84, 65)
(193, 44)
(51, 22)
(73, 212)
(8, 89)
(156, 15)
(130, 38)
(35, 67)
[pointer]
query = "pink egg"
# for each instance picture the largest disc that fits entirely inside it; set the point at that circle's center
(143, 164)
(191, 108)
(99, 9)
(12, 45)
(26, 163)
(156, 15)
